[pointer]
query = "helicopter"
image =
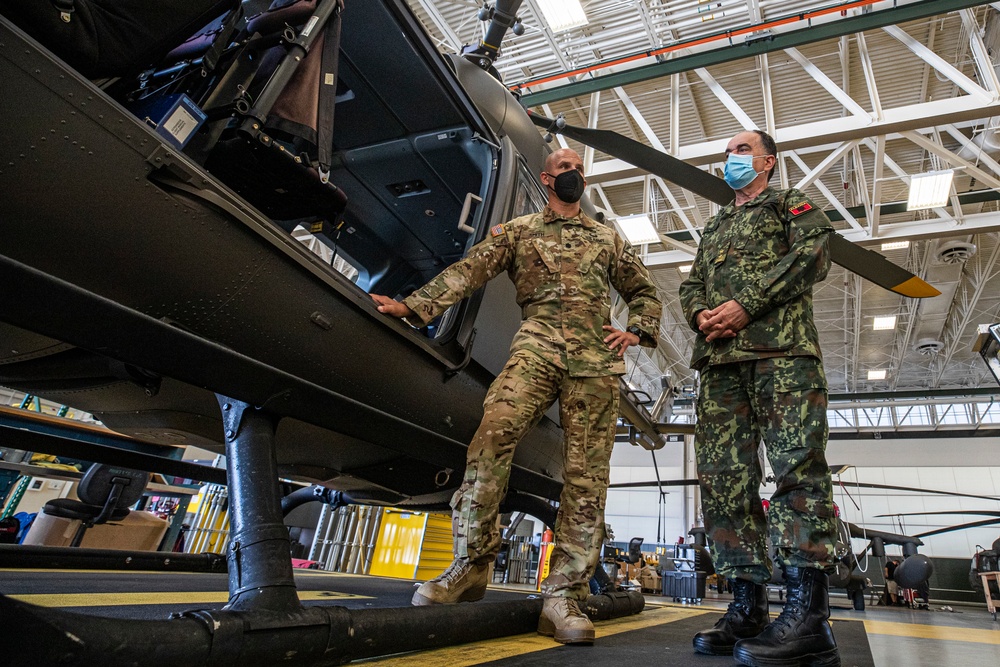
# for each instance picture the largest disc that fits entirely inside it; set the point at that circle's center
(984, 559)
(163, 282)
(382, 206)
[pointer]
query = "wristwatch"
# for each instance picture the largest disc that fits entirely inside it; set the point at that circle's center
(635, 331)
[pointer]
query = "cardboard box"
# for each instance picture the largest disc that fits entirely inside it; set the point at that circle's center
(649, 580)
(139, 531)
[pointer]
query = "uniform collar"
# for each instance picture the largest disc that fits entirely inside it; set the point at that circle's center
(581, 218)
(765, 194)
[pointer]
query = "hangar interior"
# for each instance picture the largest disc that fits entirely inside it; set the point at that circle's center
(862, 100)
(856, 116)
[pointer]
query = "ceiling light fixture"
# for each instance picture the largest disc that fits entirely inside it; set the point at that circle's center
(930, 190)
(884, 323)
(895, 245)
(685, 268)
(563, 14)
(876, 374)
(638, 229)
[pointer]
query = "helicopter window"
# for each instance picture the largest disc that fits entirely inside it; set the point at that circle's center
(331, 255)
(528, 198)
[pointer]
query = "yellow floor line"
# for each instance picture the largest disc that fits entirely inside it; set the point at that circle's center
(507, 647)
(183, 597)
(933, 632)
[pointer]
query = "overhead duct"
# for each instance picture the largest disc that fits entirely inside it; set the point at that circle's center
(987, 141)
(954, 252)
(945, 273)
(928, 346)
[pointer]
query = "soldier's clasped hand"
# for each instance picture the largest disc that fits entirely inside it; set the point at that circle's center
(723, 321)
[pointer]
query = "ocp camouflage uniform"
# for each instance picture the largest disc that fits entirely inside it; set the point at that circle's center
(766, 384)
(561, 268)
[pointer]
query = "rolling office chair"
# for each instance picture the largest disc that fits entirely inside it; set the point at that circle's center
(106, 493)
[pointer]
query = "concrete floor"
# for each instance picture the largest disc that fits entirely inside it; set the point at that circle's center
(896, 636)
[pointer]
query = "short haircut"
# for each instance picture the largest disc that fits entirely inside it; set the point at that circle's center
(770, 148)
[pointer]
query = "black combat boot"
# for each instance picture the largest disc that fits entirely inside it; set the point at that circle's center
(801, 635)
(745, 618)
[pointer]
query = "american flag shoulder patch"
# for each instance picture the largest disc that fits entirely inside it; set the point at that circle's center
(801, 208)
(497, 230)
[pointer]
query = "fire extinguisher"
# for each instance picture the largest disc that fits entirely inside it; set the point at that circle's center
(543, 558)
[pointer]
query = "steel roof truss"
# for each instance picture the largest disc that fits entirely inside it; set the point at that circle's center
(980, 54)
(938, 63)
(828, 85)
(869, 71)
(727, 101)
(951, 158)
(830, 197)
(982, 156)
(813, 175)
(967, 306)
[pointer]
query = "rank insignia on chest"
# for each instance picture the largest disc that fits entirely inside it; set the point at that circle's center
(801, 208)
(497, 230)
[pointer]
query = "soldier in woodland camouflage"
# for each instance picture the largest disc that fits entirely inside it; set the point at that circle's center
(563, 265)
(749, 298)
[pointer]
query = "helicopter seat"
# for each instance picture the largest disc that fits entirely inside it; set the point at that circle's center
(105, 494)
(111, 38)
(282, 166)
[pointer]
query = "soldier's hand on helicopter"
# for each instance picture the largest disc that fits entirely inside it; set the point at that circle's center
(723, 321)
(622, 338)
(390, 306)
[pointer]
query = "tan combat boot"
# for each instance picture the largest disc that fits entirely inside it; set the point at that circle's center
(461, 582)
(562, 620)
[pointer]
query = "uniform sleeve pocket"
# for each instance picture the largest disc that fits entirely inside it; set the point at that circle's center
(435, 289)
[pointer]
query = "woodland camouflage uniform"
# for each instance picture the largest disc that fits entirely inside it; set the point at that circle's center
(562, 269)
(766, 384)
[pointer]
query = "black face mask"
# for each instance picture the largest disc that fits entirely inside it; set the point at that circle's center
(569, 186)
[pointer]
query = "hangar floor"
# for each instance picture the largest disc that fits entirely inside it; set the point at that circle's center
(661, 634)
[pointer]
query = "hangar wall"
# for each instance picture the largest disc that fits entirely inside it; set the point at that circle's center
(635, 512)
(958, 464)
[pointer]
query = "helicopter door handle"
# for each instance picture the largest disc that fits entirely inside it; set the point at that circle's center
(466, 207)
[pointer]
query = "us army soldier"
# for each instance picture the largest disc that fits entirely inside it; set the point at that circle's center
(562, 264)
(749, 298)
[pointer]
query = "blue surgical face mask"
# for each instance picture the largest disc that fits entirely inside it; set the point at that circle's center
(739, 171)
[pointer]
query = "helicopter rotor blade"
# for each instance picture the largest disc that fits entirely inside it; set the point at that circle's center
(961, 526)
(874, 267)
(665, 482)
(649, 159)
(968, 512)
(888, 538)
(890, 487)
(867, 264)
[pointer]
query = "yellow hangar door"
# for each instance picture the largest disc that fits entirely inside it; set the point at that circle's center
(412, 545)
